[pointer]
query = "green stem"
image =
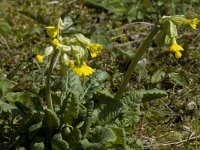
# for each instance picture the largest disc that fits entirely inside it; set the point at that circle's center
(135, 60)
(48, 80)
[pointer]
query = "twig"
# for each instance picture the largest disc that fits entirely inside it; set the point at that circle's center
(180, 142)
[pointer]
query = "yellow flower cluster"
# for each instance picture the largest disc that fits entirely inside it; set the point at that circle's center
(81, 70)
(193, 23)
(176, 48)
(73, 50)
(52, 32)
(95, 49)
(169, 33)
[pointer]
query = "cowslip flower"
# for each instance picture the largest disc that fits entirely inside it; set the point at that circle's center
(82, 70)
(55, 42)
(174, 46)
(40, 58)
(52, 31)
(193, 23)
(70, 64)
(94, 49)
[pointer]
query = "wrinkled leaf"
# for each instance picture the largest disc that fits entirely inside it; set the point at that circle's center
(5, 86)
(179, 78)
(50, 122)
(58, 143)
(153, 94)
(157, 76)
(100, 137)
(5, 107)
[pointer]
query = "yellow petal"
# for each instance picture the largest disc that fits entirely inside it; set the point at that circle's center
(178, 54)
(175, 47)
(52, 31)
(40, 58)
(83, 70)
(70, 64)
(95, 49)
(55, 42)
(193, 23)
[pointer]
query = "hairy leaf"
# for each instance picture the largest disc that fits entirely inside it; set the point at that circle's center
(50, 122)
(23, 108)
(99, 138)
(179, 78)
(157, 76)
(107, 108)
(5, 86)
(153, 94)
(131, 107)
(70, 108)
(5, 107)
(58, 143)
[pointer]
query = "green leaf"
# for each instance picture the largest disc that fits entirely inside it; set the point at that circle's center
(103, 40)
(18, 96)
(75, 135)
(37, 143)
(88, 118)
(38, 146)
(5, 28)
(179, 78)
(131, 107)
(107, 108)
(160, 38)
(33, 130)
(23, 108)
(70, 108)
(5, 86)
(157, 76)
(20, 148)
(114, 6)
(99, 138)
(101, 76)
(153, 94)
(58, 143)
(73, 82)
(5, 107)
(50, 122)
(132, 13)
(37, 103)
(81, 38)
(95, 84)
(109, 111)
(121, 137)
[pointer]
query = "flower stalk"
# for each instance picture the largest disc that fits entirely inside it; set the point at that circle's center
(135, 60)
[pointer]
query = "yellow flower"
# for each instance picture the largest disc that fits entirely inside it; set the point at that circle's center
(55, 42)
(94, 49)
(70, 64)
(175, 47)
(178, 54)
(40, 58)
(52, 31)
(193, 23)
(83, 70)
